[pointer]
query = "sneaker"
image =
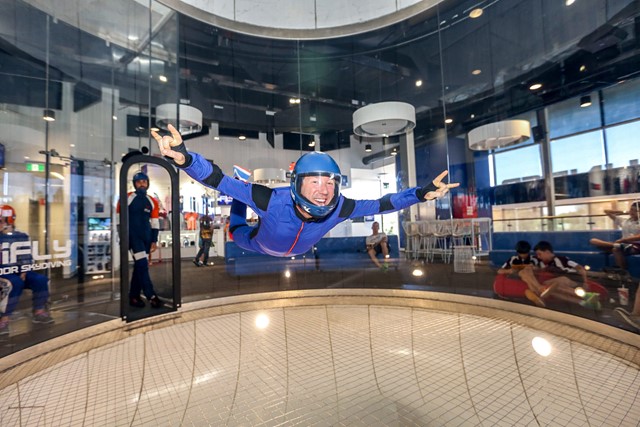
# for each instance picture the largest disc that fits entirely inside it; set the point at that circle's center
(197, 263)
(628, 317)
(4, 327)
(42, 317)
(591, 300)
(156, 302)
(531, 296)
(136, 302)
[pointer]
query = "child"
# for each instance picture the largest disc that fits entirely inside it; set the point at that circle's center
(520, 266)
(560, 287)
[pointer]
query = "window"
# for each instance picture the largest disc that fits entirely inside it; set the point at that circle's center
(518, 163)
(622, 144)
(621, 102)
(567, 117)
(577, 153)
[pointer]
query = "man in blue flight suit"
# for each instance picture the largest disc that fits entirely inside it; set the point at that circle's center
(19, 279)
(144, 223)
(291, 220)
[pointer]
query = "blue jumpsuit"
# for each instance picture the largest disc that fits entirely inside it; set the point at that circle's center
(281, 230)
(38, 283)
(144, 224)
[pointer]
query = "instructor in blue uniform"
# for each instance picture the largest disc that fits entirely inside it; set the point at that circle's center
(144, 224)
(291, 220)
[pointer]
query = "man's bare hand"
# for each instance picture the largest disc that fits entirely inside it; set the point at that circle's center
(442, 188)
(167, 142)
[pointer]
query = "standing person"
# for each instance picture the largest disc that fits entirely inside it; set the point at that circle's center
(377, 243)
(206, 235)
(19, 280)
(291, 220)
(629, 243)
(143, 237)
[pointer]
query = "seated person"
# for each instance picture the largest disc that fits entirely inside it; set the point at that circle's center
(38, 283)
(520, 261)
(515, 267)
(377, 244)
(546, 283)
(629, 244)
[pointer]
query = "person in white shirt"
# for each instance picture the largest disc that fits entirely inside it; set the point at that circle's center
(377, 244)
(629, 243)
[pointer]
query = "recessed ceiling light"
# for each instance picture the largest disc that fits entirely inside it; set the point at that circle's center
(473, 116)
(72, 145)
(367, 148)
(312, 143)
(216, 138)
(114, 117)
(448, 121)
(476, 71)
(163, 79)
(294, 101)
(583, 68)
(418, 83)
(569, 2)
(132, 37)
(242, 137)
(535, 86)
(476, 13)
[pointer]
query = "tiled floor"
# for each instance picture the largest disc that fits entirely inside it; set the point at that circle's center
(331, 365)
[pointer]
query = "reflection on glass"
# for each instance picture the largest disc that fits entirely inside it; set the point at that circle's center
(262, 321)
(541, 346)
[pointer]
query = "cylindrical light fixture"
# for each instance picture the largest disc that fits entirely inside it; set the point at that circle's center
(498, 135)
(367, 148)
(190, 117)
(49, 115)
(585, 101)
(384, 119)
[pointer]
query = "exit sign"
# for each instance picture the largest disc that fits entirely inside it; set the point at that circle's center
(35, 167)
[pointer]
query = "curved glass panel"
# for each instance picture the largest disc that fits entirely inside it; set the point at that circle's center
(110, 75)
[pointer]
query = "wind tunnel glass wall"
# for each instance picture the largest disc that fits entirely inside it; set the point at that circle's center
(104, 70)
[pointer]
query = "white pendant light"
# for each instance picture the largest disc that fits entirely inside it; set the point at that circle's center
(499, 135)
(190, 117)
(384, 119)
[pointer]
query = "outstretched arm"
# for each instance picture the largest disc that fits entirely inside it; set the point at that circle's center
(207, 173)
(611, 213)
(395, 201)
(437, 188)
(172, 147)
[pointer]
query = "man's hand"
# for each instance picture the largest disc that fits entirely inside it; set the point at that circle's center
(441, 187)
(168, 142)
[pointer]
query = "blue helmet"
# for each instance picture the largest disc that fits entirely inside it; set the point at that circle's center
(315, 163)
(138, 177)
